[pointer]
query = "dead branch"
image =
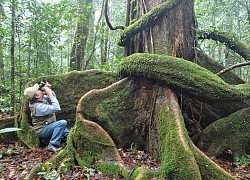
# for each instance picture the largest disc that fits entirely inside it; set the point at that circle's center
(233, 67)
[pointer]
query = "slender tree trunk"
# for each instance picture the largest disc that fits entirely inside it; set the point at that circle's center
(12, 52)
(104, 48)
(1, 47)
(19, 67)
(81, 36)
(37, 56)
(29, 60)
(1, 62)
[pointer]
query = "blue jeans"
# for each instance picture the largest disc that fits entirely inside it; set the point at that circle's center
(55, 132)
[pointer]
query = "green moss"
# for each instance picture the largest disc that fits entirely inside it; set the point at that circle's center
(136, 173)
(177, 159)
(88, 142)
(182, 74)
(110, 168)
(143, 173)
(114, 169)
(147, 20)
(111, 108)
(231, 133)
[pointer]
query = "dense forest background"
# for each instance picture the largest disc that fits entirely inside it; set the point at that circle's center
(39, 38)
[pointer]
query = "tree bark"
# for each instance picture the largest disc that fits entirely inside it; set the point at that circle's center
(177, 20)
(12, 52)
(81, 36)
(1, 48)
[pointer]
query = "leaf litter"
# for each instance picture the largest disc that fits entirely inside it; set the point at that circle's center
(16, 162)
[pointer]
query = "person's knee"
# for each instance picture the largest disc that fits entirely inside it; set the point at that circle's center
(63, 123)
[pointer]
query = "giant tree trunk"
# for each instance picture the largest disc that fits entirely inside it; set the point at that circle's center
(173, 34)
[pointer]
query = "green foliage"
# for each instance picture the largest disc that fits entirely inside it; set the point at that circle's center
(5, 105)
(4, 99)
(89, 172)
(45, 33)
(111, 169)
(53, 175)
(224, 16)
(242, 160)
(5, 130)
(49, 174)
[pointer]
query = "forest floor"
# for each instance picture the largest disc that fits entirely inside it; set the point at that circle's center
(17, 161)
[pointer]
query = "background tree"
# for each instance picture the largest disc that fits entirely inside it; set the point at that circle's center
(219, 17)
(12, 53)
(40, 30)
(1, 48)
(81, 35)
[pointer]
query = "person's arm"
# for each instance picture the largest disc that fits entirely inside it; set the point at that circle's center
(46, 109)
(47, 98)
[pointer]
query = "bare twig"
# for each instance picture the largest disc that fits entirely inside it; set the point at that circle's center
(233, 67)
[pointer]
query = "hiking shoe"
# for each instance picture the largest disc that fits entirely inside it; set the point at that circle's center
(54, 148)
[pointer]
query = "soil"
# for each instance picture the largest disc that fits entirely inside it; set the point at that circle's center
(16, 161)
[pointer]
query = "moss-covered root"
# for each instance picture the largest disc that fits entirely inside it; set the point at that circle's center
(179, 159)
(209, 169)
(115, 169)
(231, 133)
(89, 142)
(184, 75)
(28, 136)
(142, 173)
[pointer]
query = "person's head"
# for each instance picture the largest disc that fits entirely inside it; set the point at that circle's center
(33, 93)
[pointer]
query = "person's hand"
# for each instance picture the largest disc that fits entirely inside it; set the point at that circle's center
(48, 91)
(47, 85)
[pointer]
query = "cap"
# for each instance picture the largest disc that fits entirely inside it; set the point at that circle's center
(30, 91)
